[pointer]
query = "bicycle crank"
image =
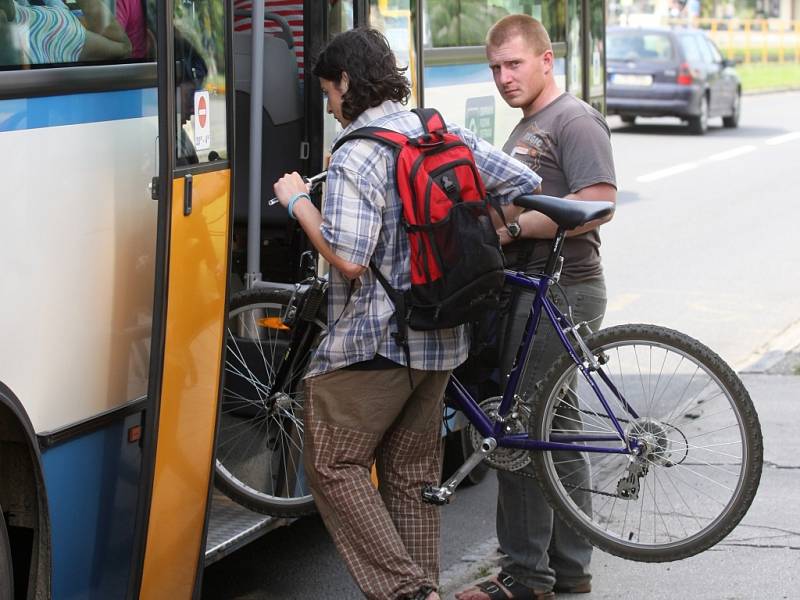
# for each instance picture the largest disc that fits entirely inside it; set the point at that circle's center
(504, 459)
(440, 495)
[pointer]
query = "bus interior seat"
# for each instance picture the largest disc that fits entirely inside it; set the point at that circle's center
(282, 116)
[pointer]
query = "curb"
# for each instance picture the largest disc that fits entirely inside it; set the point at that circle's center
(771, 353)
(775, 90)
(481, 562)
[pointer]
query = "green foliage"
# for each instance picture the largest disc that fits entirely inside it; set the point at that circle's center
(762, 77)
(202, 23)
(461, 22)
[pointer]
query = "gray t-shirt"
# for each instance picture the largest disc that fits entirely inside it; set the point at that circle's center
(568, 145)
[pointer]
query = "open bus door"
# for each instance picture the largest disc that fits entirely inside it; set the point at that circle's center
(193, 190)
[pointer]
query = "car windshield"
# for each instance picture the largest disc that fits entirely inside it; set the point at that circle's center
(629, 45)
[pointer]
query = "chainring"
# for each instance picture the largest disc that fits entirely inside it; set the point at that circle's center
(503, 459)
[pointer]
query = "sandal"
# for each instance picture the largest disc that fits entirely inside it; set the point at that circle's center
(505, 587)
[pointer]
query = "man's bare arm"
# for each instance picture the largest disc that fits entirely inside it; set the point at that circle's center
(535, 225)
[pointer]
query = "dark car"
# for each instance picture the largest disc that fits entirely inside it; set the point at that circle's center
(656, 72)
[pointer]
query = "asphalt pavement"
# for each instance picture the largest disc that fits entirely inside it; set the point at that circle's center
(759, 559)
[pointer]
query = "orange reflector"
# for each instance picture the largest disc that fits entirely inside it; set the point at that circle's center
(272, 323)
(374, 475)
(134, 434)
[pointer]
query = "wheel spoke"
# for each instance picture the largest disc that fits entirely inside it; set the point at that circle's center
(260, 441)
(684, 482)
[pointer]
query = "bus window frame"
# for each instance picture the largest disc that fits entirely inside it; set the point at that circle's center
(471, 54)
(51, 81)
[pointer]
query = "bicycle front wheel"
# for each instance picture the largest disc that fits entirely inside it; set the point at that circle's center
(699, 448)
(259, 458)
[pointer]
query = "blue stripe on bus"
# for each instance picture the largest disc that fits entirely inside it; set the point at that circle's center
(74, 109)
(445, 75)
(92, 486)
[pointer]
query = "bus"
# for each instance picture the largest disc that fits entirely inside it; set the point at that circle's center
(127, 232)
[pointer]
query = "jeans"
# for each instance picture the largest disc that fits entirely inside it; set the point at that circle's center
(540, 548)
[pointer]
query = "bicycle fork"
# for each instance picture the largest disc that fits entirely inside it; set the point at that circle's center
(440, 495)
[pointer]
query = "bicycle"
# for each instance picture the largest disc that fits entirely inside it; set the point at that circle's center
(650, 423)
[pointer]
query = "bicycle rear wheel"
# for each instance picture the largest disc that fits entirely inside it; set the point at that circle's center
(259, 457)
(701, 454)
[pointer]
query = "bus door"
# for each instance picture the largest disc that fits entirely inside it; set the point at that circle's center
(594, 24)
(193, 193)
(586, 55)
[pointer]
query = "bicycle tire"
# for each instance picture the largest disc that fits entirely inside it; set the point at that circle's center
(259, 461)
(6, 569)
(702, 466)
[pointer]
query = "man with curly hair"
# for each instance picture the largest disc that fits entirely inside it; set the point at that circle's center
(359, 407)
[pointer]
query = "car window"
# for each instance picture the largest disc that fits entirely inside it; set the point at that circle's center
(639, 46)
(712, 48)
(705, 51)
(691, 49)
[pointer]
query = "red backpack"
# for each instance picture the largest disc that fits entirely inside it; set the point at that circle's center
(456, 261)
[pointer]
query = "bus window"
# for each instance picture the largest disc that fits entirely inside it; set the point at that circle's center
(200, 75)
(340, 18)
(457, 79)
(465, 22)
(597, 59)
(574, 50)
(394, 20)
(292, 12)
(54, 32)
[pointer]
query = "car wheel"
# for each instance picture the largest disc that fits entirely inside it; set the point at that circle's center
(732, 121)
(698, 124)
(629, 120)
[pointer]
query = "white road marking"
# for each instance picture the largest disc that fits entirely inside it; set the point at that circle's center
(732, 153)
(621, 301)
(782, 139)
(771, 353)
(667, 172)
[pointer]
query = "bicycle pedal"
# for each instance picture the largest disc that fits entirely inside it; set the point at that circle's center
(435, 495)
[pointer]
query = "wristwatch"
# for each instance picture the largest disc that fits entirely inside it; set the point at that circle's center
(514, 230)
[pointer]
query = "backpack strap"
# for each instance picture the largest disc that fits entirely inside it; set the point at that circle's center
(399, 301)
(377, 134)
(432, 120)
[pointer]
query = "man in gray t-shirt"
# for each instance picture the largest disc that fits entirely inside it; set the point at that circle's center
(567, 143)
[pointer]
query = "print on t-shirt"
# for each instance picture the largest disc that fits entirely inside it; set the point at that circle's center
(534, 144)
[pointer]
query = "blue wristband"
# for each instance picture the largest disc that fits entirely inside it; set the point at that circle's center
(294, 199)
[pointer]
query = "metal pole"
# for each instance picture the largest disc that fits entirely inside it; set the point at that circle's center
(420, 52)
(256, 107)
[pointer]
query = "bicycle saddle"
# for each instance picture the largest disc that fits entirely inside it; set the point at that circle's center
(568, 214)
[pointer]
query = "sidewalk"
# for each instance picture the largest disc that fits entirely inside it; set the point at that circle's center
(759, 559)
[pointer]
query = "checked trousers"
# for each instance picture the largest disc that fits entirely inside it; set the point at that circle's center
(388, 538)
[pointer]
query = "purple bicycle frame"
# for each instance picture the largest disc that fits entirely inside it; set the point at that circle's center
(463, 400)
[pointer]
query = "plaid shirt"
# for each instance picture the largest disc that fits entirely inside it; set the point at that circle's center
(362, 221)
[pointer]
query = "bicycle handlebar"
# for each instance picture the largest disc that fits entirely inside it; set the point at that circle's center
(312, 181)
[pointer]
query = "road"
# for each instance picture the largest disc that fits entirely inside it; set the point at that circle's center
(703, 242)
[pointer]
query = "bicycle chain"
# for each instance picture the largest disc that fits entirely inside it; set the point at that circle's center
(582, 489)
